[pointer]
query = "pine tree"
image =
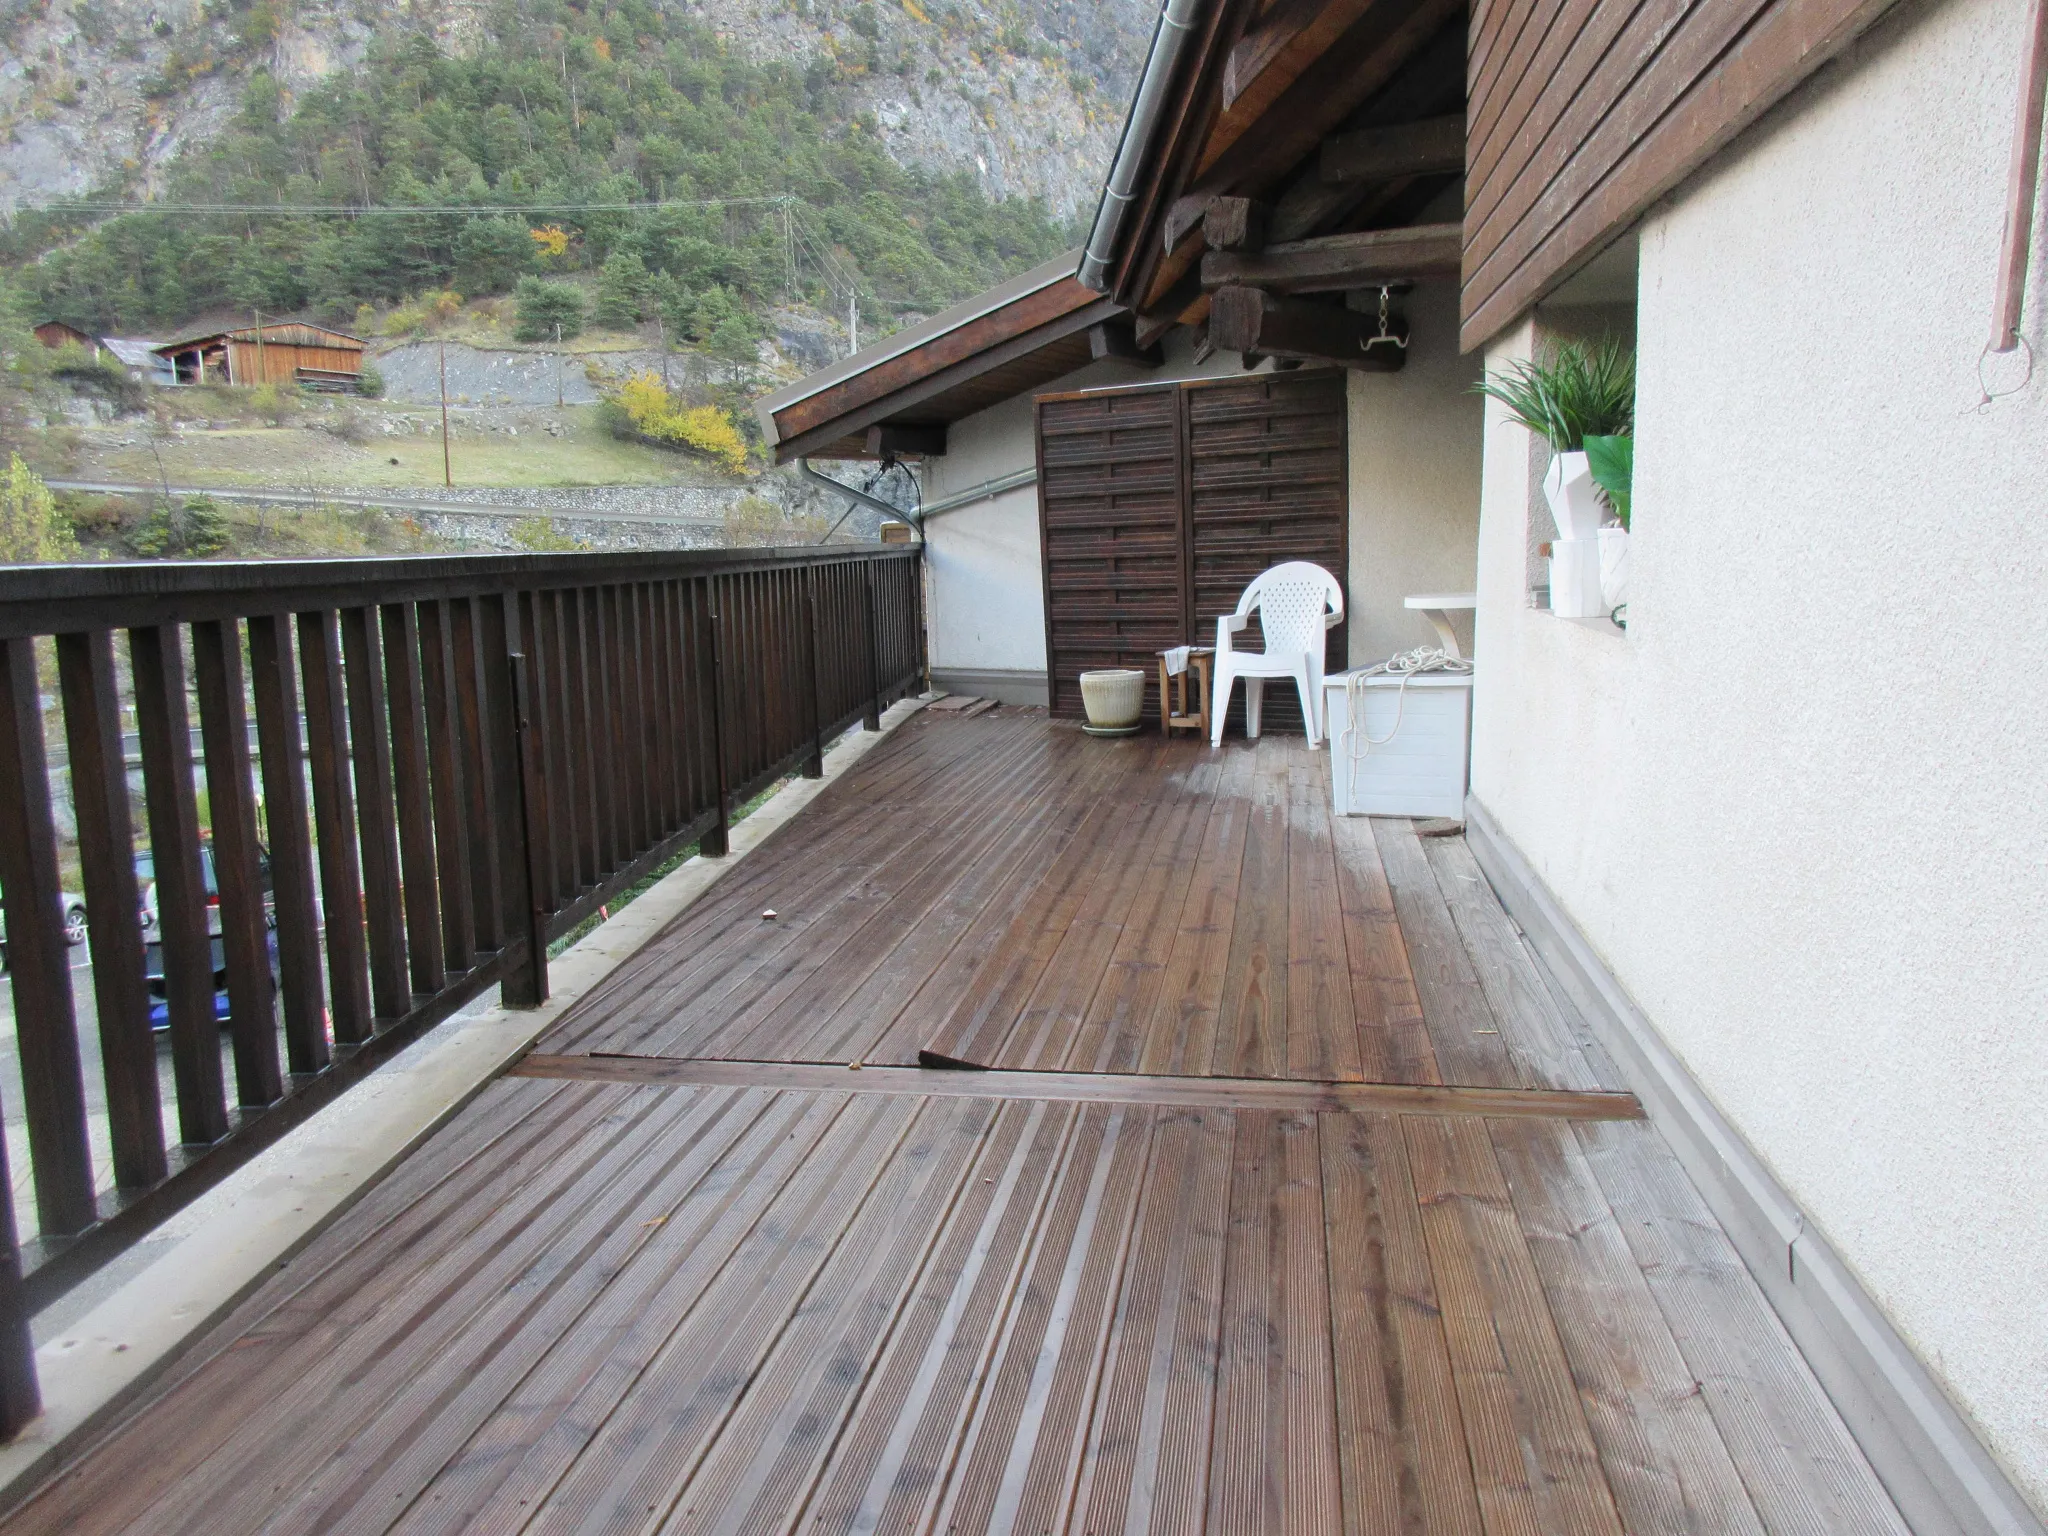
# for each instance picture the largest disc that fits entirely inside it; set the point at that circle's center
(621, 288)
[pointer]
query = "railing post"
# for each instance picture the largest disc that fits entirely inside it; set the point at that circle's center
(814, 765)
(718, 841)
(533, 973)
(525, 978)
(873, 722)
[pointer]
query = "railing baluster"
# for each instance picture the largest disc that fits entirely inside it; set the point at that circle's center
(180, 886)
(113, 903)
(46, 1030)
(369, 729)
(523, 984)
(21, 1399)
(633, 635)
(814, 716)
(237, 862)
(291, 852)
(555, 746)
(409, 777)
(529, 701)
(480, 833)
(444, 756)
(873, 721)
(583, 755)
(717, 842)
(334, 823)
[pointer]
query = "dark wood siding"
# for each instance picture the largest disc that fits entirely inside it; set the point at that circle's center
(1159, 504)
(1110, 529)
(1582, 114)
(1266, 483)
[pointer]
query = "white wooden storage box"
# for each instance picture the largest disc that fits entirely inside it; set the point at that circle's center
(1421, 770)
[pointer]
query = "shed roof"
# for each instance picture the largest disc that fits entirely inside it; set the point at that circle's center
(287, 333)
(1015, 336)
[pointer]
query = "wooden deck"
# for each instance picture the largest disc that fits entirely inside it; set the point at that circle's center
(1308, 1209)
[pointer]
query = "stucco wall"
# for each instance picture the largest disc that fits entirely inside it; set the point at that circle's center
(1414, 481)
(1801, 807)
(1414, 501)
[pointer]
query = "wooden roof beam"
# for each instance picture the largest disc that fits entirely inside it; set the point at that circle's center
(1429, 147)
(1251, 320)
(1334, 263)
(1293, 124)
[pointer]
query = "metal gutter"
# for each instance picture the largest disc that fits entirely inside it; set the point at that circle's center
(859, 498)
(982, 492)
(1176, 19)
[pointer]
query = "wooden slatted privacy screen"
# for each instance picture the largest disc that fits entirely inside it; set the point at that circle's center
(1159, 503)
(1582, 113)
(456, 760)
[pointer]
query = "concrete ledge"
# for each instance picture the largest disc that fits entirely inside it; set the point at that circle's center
(1939, 1473)
(219, 1248)
(1004, 685)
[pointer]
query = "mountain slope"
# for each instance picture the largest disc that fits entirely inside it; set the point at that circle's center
(1025, 94)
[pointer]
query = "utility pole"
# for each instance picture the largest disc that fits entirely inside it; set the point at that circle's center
(852, 322)
(447, 471)
(658, 320)
(558, 365)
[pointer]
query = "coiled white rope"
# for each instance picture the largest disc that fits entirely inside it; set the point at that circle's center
(1424, 658)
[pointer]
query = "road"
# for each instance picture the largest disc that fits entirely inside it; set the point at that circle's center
(302, 498)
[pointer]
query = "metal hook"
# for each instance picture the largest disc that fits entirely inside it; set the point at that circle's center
(1385, 334)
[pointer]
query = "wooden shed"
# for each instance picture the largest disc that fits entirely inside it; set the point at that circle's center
(55, 333)
(285, 352)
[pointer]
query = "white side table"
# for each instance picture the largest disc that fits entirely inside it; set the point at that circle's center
(1437, 607)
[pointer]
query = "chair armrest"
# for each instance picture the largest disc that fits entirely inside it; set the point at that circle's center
(1332, 620)
(1226, 626)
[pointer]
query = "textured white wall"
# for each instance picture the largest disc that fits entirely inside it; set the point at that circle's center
(1800, 808)
(1414, 481)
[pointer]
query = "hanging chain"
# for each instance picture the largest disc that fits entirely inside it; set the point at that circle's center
(1386, 331)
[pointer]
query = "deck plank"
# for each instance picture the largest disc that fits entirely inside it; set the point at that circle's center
(1289, 1242)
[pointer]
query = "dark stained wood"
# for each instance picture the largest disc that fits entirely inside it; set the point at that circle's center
(479, 781)
(442, 712)
(1253, 321)
(113, 902)
(237, 856)
(1234, 224)
(1588, 144)
(1332, 263)
(38, 958)
(788, 1295)
(291, 851)
(1431, 145)
(1119, 339)
(411, 784)
(334, 816)
(166, 739)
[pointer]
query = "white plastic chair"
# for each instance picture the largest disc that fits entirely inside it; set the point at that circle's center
(1298, 603)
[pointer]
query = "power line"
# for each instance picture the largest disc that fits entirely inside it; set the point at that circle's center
(344, 210)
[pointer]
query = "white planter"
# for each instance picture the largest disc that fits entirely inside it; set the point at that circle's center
(1574, 499)
(1575, 578)
(1114, 698)
(1613, 567)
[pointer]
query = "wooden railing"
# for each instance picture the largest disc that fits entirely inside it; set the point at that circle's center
(455, 761)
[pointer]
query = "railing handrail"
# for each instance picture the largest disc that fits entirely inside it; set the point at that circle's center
(60, 599)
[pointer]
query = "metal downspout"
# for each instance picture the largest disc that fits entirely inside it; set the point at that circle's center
(1176, 18)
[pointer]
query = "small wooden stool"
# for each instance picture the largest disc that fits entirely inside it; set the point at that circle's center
(1181, 719)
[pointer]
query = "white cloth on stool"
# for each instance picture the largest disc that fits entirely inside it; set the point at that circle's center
(1177, 660)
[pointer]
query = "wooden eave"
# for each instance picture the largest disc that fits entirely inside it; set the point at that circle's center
(1001, 343)
(1264, 86)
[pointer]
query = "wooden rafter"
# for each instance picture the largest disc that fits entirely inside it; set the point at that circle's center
(1336, 262)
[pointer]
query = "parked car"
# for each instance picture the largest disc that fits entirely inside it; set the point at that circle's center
(74, 924)
(153, 949)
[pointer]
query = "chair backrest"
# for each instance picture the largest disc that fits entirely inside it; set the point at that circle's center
(1294, 601)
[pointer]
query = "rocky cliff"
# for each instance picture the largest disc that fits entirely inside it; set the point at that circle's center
(99, 95)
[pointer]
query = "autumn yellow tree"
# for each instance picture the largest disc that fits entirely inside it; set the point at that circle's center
(32, 531)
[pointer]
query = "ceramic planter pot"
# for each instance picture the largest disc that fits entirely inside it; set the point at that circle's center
(1575, 578)
(1113, 698)
(1613, 567)
(1574, 499)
